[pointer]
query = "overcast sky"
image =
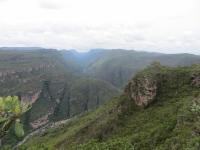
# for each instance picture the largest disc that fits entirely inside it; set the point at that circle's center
(169, 26)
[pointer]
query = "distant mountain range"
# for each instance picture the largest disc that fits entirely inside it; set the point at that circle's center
(117, 66)
(21, 48)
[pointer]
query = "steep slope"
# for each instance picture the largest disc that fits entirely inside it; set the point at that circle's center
(63, 100)
(85, 94)
(39, 77)
(118, 66)
(79, 62)
(22, 72)
(159, 110)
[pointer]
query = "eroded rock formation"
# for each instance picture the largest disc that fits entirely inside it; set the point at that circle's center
(30, 97)
(142, 90)
(196, 79)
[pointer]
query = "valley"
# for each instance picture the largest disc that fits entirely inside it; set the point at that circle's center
(60, 85)
(157, 110)
(99, 75)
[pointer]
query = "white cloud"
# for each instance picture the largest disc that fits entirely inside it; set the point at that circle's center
(159, 25)
(50, 4)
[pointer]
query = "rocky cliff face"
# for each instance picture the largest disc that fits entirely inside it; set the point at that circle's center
(196, 79)
(30, 97)
(14, 72)
(24, 82)
(142, 90)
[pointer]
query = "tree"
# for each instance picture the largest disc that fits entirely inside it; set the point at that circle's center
(11, 110)
(63, 107)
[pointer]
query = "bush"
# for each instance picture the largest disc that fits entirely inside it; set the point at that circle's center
(115, 144)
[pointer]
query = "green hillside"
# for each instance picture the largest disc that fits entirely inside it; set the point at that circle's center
(22, 72)
(42, 78)
(117, 66)
(63, 84)
(159, 110)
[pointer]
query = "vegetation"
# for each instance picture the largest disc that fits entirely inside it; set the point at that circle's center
(117, 66)
(40, 75)
(63, 84)
(170, 122)
(11, 110)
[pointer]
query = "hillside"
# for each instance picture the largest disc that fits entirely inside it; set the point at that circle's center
(117, 66)
(20, 69)
(159, 110)
(34, 74)
(62, 84)
(41, 77)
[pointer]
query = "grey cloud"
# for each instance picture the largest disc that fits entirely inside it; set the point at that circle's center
(87, 37)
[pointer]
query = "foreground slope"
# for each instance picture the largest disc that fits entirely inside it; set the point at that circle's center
(159, 110)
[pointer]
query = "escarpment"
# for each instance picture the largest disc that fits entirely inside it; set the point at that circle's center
(196, 79)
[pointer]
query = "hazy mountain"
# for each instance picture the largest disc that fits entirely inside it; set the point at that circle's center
(117, 66)
(21, 48)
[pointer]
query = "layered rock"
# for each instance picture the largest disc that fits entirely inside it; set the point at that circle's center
(12, 72)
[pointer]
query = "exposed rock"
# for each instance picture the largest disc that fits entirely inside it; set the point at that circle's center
(30, 97)
(11, 72)
(142, 91)
(196, 79)
(40, 122)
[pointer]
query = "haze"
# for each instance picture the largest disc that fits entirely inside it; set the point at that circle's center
(168, 26)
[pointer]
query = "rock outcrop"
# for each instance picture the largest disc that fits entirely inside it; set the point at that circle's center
(30, 97)
(142, 90)
(16, 72)
(196, 79)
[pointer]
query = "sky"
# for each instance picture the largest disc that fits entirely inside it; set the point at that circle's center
(168, 26)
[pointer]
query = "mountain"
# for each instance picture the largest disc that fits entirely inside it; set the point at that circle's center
(21, 48)
(63, 84)
(159, 110)
(79, 61)
(51, 80)
(117, 66)
(40, 77)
